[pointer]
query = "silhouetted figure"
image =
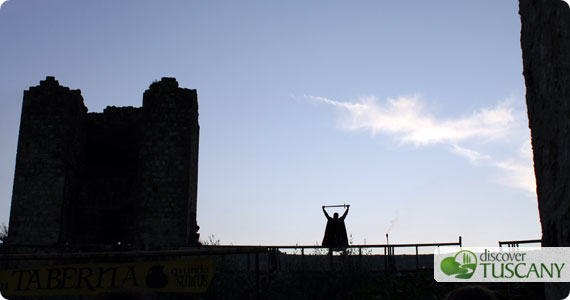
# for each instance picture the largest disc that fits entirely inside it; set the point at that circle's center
(335, 233)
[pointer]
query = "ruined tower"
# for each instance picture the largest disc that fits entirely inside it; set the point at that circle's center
(47, 163)
(125, 176)
(168, 164)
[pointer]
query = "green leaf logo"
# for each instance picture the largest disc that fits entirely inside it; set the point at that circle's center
(462, 265)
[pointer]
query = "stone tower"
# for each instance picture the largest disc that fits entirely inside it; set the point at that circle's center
(127, 175)
(47, 164)
(169, 164)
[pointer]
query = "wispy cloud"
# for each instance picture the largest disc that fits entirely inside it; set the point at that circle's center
(519, 171)
(517, 175)
(472, 155)
(407, 119)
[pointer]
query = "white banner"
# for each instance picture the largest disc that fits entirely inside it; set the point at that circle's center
(493, 264)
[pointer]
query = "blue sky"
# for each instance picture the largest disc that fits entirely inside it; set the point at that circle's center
(413, 112)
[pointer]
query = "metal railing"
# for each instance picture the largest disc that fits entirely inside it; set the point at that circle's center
(515, 244)
(389, 250)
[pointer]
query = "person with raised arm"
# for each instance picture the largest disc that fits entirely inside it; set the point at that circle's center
(335, 232)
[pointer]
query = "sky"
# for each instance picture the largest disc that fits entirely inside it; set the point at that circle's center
(412, 112)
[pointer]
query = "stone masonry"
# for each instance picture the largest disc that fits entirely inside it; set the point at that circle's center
(125, 176)
(545, 41)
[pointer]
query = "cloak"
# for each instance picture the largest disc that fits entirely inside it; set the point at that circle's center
(335, 233)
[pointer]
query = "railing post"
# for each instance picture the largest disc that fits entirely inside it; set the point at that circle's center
(390, 259)
(331, 259)
(302, 259)
(417, 259)
(460, 242)
(385, 259)
(257, 275)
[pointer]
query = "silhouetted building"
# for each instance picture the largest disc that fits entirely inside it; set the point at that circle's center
(127, 175)
(545, 43)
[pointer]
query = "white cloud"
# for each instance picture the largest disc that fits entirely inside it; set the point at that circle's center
(518, 175)
(2, 2)
(518, 172)
(406, 117)
(472, 155)
(407, 120)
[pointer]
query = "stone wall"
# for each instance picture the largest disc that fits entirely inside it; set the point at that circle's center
(127, 175)
(545, 41)
(104, 210)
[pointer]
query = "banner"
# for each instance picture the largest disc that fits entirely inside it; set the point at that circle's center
(186, 276)
(494, 264)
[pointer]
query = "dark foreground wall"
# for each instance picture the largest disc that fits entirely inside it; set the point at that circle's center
(545, 41)
(274, 275)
